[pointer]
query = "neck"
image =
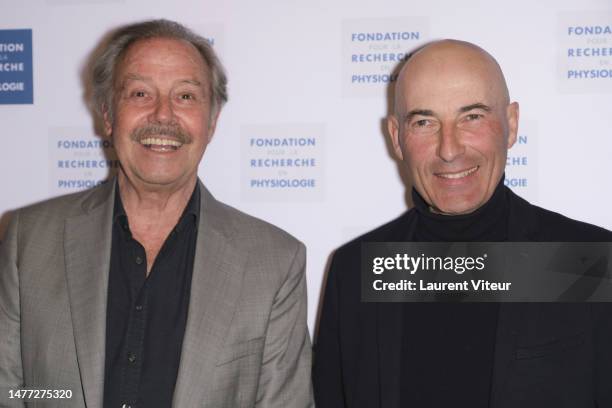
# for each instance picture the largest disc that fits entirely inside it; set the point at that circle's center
(153, 203)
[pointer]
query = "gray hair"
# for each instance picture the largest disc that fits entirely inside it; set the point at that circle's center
(103, 70)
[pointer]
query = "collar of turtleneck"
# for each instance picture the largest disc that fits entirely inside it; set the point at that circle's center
(488, 223)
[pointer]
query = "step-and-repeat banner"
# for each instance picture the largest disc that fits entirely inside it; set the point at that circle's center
(309, 84)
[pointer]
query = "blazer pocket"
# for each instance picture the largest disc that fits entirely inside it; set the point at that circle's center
(235, 351)
(553, 347)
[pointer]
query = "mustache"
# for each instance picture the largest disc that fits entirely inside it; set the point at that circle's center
(172, 130)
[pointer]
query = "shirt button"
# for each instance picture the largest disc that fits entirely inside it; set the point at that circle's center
(138, 308)
(138, 260)
(131, 357)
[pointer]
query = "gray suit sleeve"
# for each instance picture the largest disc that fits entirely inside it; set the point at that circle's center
(285, 379)
(11, 371)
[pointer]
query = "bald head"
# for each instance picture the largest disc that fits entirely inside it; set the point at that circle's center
(453, 124)
(454, 58)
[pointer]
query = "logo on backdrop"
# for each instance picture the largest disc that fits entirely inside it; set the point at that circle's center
(585, 52)
(16, 67)
(522, 164)
(282, 162)
(372, 48)
(79, 160)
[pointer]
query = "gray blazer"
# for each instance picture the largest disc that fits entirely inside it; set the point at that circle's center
(246, 342)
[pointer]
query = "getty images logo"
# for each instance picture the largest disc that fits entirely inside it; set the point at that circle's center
(16, 67)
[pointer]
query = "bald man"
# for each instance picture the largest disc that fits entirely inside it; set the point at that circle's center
(452, 126)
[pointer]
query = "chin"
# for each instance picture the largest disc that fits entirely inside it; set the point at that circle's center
(455, 207)
(161, 180)
(463, 210)
(160, 174)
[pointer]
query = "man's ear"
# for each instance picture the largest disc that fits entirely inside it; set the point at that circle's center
(108, 123)
(394, 131)
(512, 115)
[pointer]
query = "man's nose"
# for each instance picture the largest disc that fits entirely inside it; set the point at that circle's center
(163, 110)
(450, 145)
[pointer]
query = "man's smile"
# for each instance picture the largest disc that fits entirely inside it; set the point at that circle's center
(160, 144)
(459, 174)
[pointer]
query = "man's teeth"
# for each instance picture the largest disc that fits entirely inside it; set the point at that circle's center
(160, 142)
(458, 175)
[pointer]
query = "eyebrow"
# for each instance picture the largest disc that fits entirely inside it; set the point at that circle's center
(463, 109)
(192, 82)
(473, 106)
(420, 112)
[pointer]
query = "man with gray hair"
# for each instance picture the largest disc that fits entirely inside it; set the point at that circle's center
(146, 291)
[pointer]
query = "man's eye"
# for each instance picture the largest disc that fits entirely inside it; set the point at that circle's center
(422, 123)
(473, 116)
(187, 96)
(139, 94)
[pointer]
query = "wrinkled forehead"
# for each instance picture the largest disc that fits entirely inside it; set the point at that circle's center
(159, 53)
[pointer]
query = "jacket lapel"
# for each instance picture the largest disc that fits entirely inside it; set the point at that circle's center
(216, 283)
(390, 329)
(522, 227)
(87, 251)
(511, 318)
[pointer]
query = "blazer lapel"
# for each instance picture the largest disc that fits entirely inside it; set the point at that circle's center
(390, 329)
(87, 251)
(522, 227)
(511, 318)
(216, 283)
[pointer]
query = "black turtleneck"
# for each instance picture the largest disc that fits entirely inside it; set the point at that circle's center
(449, 347)
(488, 223)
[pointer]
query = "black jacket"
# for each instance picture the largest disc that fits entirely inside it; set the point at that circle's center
(546, 354)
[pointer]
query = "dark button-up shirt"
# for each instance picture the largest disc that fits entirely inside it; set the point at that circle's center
(146, 316)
